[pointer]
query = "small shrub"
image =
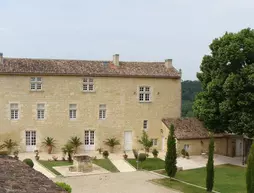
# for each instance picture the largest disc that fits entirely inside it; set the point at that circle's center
(64, 186)
(187, 154)
(142, 157)
(29, 162)
(125, 156)
(155, 153)
(105, 154)
(135, 153)
(16, 153)
(54, 158)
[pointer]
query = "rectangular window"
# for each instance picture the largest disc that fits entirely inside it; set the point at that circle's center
(186, 147)
(102, 112)
(88, 85)
(73, 111)
(155, 142)
(40, 111)
(36, 83)
(14, 111)
(144, 94)
(145, 124)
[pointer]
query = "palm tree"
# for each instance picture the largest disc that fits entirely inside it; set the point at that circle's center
(112, 142)
(50, 143)
(9, 144)
(69, 150)
(75, 141)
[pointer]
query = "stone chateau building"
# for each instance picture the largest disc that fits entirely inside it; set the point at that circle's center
(93, 100)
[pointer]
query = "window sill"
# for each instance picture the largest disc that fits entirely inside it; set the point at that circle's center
(73, 119)
(102, 119)
(145, 101)
(92, 91)
(36, 90)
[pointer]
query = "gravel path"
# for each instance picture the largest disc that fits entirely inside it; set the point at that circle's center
(126, 182)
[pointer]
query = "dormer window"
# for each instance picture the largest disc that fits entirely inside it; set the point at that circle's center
(88, 85)
(36, 83)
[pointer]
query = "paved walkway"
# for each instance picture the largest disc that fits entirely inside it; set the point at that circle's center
(122, 165)
(126, 182)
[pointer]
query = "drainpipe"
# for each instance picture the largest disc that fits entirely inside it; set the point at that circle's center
(243, 150)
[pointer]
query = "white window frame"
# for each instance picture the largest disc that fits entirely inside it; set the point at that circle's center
(88, 84)
(72, 111)
(186, 147)
(143, 92)
(35, 83)
(40, 111)
(145, 125)
(102, 111)
(14, 111)
(155, 142)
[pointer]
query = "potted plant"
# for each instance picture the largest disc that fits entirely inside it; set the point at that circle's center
(69, 150)
(100, 150)
(9, 144)
(155, 153)
(75, 141)
(16, 153)
(105, 154)
(183, 152)
(112, 142)
(37, 157)
(50, 143)
(125, 156)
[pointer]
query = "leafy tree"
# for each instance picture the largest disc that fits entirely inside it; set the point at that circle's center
(250, 171)
(210, 167)
(170, 160)
(146, 142)
(189, 91)
(112, 142)
(75, 141)
(227, 78)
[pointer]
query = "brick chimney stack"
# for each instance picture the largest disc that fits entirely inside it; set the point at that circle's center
(1, 58)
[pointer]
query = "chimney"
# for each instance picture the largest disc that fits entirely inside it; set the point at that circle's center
(1, 58)
(116, 59)
(168, 63)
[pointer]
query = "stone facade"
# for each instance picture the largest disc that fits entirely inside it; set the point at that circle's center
(124, 112)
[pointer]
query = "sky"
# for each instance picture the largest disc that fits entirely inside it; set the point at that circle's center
(138, 30)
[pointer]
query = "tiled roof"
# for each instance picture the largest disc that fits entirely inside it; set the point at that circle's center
(189, 128)
(16, 176)
(86, 68)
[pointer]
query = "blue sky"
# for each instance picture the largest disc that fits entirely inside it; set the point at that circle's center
(138, 30)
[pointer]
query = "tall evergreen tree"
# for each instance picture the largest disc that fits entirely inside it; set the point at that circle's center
(170, 160)
(250, 171)
(210, 167)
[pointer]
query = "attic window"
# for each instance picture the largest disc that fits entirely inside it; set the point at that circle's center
(36, 83)
(88, 85)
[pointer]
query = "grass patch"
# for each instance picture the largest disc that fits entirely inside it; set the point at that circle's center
(178, 186)
(228, 178)
(50, 164)
(149, 164)
(106, 164)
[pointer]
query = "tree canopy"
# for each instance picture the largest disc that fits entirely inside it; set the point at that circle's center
(189, 90)
(227, 78)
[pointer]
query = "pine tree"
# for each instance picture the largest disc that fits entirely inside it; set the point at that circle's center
(210, 167)
(250, 171)
(170, 160)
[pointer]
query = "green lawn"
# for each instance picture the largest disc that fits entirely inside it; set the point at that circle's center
(50, 164)
(149, 164)
(228, 178)
(104, 163)
(178, 186)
